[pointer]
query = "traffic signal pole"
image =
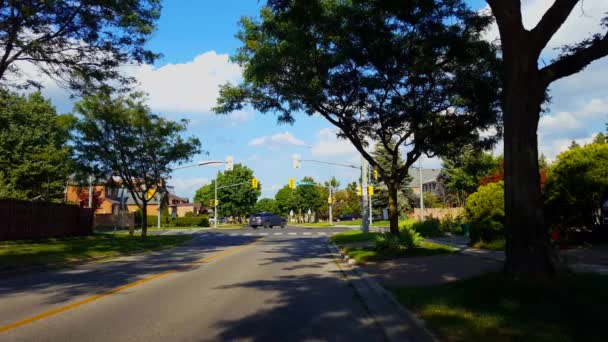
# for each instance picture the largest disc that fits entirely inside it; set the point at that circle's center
(331, 200)
(364, 205)
(215, 203)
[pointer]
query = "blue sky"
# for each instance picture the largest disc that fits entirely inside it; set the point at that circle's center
(196, 38)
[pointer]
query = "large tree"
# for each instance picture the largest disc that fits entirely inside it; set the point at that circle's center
(285, 200)
(237, 200)
(34, 152)
(79, 44)
(529, 253)
(380, 199)
(413, 75)
(120, 136)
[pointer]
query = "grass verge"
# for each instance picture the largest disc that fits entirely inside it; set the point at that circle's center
(496, 245)
(24, 253)
(353, 236)
(493, 308)
(426, 248)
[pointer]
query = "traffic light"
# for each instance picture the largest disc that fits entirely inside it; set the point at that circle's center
(216, 202)
(292, 183)
(254, 183)
(370, 190)
(375, 174)
(229, 163)
(331, 200)
(359, 193)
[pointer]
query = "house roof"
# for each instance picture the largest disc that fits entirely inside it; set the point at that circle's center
(428, 175)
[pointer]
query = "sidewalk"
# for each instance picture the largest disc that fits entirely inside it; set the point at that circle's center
(593, 259)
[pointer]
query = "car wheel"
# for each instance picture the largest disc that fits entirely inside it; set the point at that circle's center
(254, 227)
(283, 224)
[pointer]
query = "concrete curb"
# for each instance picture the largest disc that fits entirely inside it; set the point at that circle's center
(396, 322)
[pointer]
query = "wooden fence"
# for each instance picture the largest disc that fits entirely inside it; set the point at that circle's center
(39, 220)
(122, 220)
(438, 213)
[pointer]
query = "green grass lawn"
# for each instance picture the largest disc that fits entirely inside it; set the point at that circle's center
(493, 308)
(22, 253)
(375, 223)
(426, 248)
(496, 245)
(368, 253)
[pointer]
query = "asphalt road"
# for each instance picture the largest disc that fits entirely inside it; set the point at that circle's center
(219, 287)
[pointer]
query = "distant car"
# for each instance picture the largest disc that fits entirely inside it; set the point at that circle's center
(267, 220)
(347, 217)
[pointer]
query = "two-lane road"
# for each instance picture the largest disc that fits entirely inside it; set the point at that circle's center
(219, 287)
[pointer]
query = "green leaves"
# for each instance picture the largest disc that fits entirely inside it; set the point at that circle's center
(119, 136)
(34, 151)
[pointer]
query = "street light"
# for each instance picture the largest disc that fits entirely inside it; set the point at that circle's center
(200, 163)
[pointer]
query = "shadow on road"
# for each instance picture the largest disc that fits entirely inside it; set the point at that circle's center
(310, 299)
(65, 284)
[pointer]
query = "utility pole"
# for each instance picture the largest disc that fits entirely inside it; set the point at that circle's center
(158, 200)
(364, 204)
(215, 202)
(421, 191)
(371, 214)
(330, 200)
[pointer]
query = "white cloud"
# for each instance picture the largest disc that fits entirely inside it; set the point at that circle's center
(582, 23)
(190, 87)
(186, 187)
(574, 124)
(329, 144)
(277, 140)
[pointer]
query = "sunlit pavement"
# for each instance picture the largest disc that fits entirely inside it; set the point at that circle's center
(225, 285)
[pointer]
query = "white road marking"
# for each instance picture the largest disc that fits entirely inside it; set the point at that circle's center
(278, 233)
(263, 234)
(248, 234)
(307, 233)
(293, 233)
(323, 234)
(233, 234)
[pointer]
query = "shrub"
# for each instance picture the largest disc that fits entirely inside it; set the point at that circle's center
(428, 228)
(201, 221)
(388, 242)
(452, 224)
(189, 214)
(485, 210)
(409, 237)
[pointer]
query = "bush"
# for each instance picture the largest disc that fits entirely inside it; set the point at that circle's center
(388, 242)
(428, 228)
(485, 210)
(409, 237)
(452, 224)
(189, 214)
(201, 221)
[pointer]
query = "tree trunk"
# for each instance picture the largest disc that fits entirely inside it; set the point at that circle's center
(393, 208)
(144, 220)
(529, 254)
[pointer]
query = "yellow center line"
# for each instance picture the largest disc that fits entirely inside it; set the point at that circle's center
(116, 290)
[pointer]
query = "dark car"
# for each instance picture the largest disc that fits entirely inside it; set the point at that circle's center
(347, 217)
(267, 220)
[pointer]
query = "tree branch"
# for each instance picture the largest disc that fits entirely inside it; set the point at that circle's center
(575, 62)
(551, 21)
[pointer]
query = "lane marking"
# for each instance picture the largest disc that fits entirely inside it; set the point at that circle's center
(307, 233)
(116, 290)
(278, 233)
(263, 234)
(292, 233)
(324, 234)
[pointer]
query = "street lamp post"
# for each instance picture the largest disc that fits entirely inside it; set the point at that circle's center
(421, 191)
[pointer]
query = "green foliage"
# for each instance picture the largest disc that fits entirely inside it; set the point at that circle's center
(460, 174)
(389, 243)
(376, 71)
(576, 185)
(409, 237)
(198, 221)
(285, 200)
(236, 200)
(189, 214)
(119, 135)
(428, 228)
(82, 45)
(452, 224)
(404, 193)
(485, 210)
(34, 153)
(432, 201)
(267, 205)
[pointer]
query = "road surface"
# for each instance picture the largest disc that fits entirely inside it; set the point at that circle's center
(222, 286)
